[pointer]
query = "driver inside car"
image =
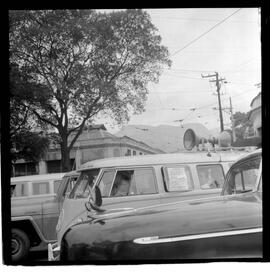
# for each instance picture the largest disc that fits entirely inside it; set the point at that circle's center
(121, 188)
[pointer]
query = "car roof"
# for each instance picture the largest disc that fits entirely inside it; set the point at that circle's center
(171, 158)
(71, 173)
(38, 177)
(250, 154)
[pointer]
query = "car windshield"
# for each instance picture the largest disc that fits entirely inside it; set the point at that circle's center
(84, 184)
(242, 177)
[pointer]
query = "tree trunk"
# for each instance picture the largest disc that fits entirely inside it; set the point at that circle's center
(65, 157)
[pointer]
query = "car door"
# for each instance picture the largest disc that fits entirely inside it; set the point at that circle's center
(142, 188)
(50, 214)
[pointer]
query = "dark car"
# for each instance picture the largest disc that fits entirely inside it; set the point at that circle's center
(228, 226)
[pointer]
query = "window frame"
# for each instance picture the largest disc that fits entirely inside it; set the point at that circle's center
(82, 173)
(230, 174)
(209, 165)
(41, 182)
(133, 168)
(166, 177)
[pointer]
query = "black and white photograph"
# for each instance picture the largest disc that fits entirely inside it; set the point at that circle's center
(135, 136)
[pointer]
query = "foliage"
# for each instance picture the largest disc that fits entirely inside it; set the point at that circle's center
(25, 143)
(242, 124)
(28, 145)
(86, 63)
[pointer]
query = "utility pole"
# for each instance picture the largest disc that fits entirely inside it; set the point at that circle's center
(217, 81)
(232, 120)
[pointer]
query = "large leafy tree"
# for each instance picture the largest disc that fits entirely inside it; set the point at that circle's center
(25, 143)
(89, 62)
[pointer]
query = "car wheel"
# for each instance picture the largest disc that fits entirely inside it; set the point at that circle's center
(20, 245)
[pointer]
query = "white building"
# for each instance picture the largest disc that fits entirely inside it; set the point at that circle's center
(255, 114)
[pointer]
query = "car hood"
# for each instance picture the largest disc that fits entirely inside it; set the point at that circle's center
(182, 218)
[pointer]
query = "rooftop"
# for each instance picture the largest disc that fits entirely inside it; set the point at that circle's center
(172, 158)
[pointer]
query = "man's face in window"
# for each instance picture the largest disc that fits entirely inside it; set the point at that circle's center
(123, 187)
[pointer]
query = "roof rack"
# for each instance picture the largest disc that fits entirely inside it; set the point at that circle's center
(227, 149)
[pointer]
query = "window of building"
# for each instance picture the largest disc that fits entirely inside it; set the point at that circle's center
(134, 152)
(41, 188)
(55, 166)
(116, 152)
(210, 176)
(26, 169)
(128, 153)
(178, 178)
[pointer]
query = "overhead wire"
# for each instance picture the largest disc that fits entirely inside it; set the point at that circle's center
(204, 33)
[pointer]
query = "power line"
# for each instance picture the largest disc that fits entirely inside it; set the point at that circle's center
(199, 19)
(180, 76)
(196, 39)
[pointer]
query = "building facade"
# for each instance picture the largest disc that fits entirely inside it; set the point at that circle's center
(255, 114)
(94, 143)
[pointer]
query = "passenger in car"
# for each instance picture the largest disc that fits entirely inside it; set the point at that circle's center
(208, 181)
(121, 188)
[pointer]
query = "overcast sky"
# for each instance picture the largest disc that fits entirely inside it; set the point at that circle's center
(197, 46)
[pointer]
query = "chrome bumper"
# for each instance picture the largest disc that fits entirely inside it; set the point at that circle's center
(53, 252)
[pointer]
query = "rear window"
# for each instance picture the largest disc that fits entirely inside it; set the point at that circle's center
(210, 176)
(178, 178)
(41, 188)
(243, 176)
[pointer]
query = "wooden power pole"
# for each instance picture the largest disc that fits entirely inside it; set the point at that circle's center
(217, 81)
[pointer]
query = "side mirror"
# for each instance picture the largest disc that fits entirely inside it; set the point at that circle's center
(95, 200)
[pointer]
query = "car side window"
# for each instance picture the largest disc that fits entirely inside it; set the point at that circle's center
(210, 176)
(105, 182)
(69, 185)
(18, 190)
(143, 182)
(56, 185)
(178, 178)
(122, 183)
(84, 184)
(243, 177)
(41, 188)
(138, 181)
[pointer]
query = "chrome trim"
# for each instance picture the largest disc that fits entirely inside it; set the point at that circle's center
(53, 252)
(157, 240)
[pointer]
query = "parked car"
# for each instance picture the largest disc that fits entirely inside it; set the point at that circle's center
(139, 181)
(228, 226)
(35, 204)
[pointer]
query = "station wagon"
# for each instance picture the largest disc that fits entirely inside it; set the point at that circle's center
(35, 205)
(140, 181)
(228, 226)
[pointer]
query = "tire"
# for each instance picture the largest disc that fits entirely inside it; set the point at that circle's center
(20, 245)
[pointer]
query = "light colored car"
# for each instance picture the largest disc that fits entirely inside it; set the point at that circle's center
(35, 205)
(141, 181)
